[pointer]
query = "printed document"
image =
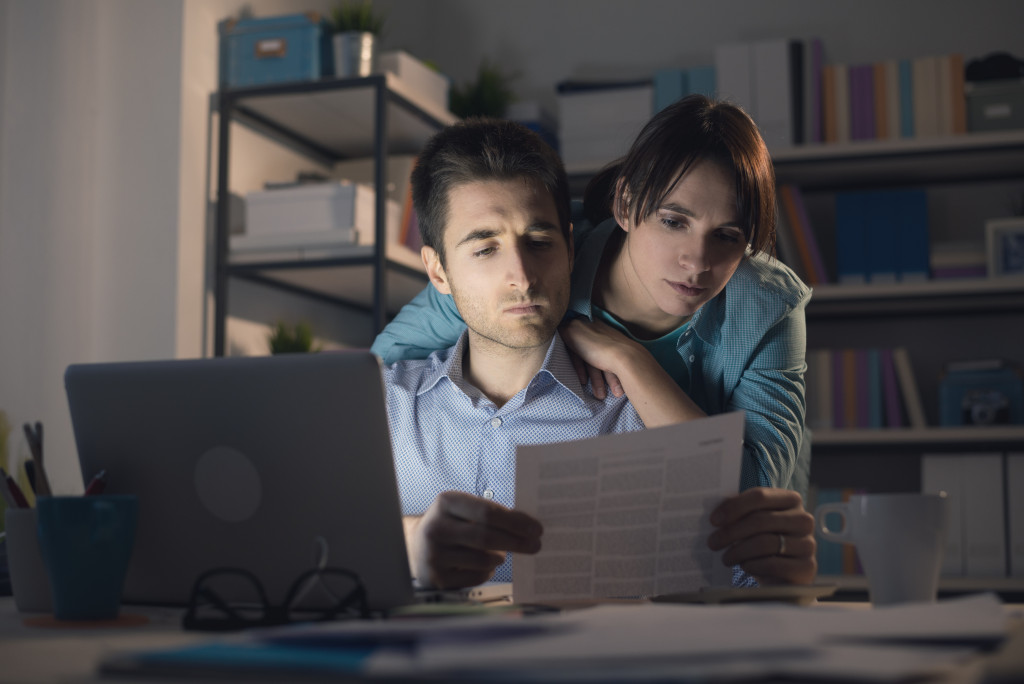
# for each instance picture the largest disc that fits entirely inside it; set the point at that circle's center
(627, 515)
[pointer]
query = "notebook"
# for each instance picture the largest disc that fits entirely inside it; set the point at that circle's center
(269, 464)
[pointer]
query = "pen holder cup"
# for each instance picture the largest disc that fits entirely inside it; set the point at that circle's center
(29, 579)
(86, 543)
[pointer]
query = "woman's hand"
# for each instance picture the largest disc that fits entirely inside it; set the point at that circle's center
(768, 533)
(593, 346)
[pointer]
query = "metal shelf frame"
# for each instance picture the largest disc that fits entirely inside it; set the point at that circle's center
(327, 121)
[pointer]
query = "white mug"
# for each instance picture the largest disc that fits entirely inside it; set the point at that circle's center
(900, 539)
(30, 582)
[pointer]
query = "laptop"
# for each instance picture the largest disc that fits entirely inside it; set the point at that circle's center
(269, 464)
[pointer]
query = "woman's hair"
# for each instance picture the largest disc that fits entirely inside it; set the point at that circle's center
(482, 150)
(692, 130)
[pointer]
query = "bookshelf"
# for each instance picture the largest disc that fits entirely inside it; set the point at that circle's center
(327, 121)
(937, 321)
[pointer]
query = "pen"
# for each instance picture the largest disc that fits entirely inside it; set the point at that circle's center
(97, 484)
(30, 473)
(5, 491)
(14, 490)
(35, 444)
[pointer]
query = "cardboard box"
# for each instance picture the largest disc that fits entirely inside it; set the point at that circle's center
(280, 49)
(995, 105)
(347, 207)
(421, 79)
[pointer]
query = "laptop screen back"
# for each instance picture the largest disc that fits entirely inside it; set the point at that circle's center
(262, 463)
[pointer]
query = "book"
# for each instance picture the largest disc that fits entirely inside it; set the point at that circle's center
(785, 243)
(734, 75)
(958, 93)
(908, 213)
(830, 132)
(891, 390)
(1015, 512)
(893, 99)
(906, 89)
(925, 89)
(700, 80)
(944, 94)
(909, 389)
(829, 553)
(983, 515)
(880, 221)
(881, 100)
(669, 87)
(818, 392)
(813, 64)
(941, 473)
(852, 217)
(838, 390)
(875, 398)
(851, 387)
(843, 108)
(803, 234)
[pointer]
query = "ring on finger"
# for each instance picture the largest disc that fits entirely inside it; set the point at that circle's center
(782, 546)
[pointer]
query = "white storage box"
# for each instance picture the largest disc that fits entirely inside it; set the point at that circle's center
(417, 76)
(310, 208)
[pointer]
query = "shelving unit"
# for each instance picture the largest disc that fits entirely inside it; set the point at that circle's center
(938, 321)
(327, 120)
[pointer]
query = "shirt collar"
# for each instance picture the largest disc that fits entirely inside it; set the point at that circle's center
(557, 367)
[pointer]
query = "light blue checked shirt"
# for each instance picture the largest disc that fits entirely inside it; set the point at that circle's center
(447, 435)
(743, 350)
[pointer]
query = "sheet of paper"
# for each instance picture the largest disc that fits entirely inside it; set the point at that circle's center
(627, 515)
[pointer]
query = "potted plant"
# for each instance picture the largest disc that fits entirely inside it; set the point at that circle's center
(489, 95)
(297, 339)
(356, 28)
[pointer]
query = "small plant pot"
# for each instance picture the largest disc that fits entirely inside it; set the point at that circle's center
(355, 54)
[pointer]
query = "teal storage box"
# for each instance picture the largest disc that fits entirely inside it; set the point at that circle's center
(281, 49)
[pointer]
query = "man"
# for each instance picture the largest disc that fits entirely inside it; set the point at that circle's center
(493, 206)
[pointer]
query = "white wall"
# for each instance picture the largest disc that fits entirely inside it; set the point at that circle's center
(105, 142)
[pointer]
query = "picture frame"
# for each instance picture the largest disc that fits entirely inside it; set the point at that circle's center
(1004, 240)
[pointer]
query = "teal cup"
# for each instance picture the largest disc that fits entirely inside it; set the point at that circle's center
(86, 543)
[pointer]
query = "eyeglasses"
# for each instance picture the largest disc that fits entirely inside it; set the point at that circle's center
(228, 599)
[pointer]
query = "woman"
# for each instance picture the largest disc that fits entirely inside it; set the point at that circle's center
(673, 266)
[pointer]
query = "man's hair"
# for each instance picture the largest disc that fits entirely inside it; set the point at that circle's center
(482, 150)
(691, 130)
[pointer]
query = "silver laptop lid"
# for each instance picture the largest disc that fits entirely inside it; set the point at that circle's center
(259, 463)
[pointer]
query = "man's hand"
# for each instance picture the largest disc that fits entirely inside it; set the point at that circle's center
(462, 538)
(768, 533)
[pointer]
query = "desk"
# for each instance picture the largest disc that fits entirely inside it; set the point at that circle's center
(31, 654)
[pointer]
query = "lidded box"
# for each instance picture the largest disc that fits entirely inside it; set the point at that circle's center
(280, 49)
(314, 207)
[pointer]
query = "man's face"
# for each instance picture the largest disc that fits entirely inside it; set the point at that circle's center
(507, 263)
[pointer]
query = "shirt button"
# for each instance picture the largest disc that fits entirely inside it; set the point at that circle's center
(687, 333)
(488, 493)
(692, 358)
(496, 422)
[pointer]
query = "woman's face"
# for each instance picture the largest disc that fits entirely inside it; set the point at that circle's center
(685, 252)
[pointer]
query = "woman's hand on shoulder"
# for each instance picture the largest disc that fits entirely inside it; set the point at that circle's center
(767, 532)
(596, 350)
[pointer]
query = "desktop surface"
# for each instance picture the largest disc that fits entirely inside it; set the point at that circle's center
(52, 654)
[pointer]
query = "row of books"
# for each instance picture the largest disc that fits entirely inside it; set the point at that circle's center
(881, 236)
(895, 98)
(862, 388)
(985, 537)
(797, 97)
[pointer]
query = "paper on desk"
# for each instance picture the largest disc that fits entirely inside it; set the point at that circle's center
(737, 641)
(627, 514)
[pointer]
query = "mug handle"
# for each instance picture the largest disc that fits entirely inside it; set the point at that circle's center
(844, 534)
